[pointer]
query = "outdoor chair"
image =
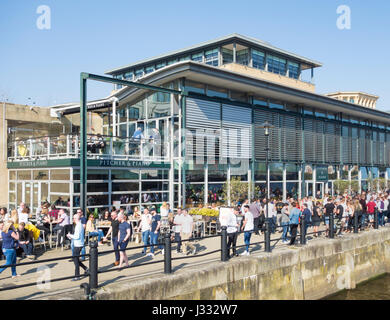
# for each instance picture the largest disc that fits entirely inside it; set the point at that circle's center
(41, 240)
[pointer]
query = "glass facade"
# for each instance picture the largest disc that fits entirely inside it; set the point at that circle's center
(258, 59)
(276, 65)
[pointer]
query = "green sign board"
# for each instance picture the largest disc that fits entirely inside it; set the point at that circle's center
(322, 174)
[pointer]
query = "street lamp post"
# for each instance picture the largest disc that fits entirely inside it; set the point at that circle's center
(267, 126)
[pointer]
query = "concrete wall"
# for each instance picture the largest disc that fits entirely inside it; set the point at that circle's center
(314, 271)
(269, 76)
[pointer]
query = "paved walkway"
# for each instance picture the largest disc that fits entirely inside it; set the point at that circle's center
(64, 268)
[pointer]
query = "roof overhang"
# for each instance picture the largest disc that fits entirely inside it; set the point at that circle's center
(254, 86)
(307, 63)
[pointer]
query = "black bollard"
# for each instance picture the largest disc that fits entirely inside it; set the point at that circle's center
(267, 236)
(93, 265)
(376, 221)
(303, 231)
(331, 226)
(167, 254)
(356, 223)
(224, 249)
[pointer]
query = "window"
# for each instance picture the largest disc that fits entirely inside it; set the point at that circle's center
(195, 87)
(186, 58)
(139, 73)
(293, 70)
(160, 65)
(227, 56)
(352, 100)
(243, 57)
(149, 69)
(260, 101)
(276, 104)
(276, 65)
(172, 61)
(129, 75)
(258, 59)
(197, 57)
(211, 57)
(216, 92)
(238, 96)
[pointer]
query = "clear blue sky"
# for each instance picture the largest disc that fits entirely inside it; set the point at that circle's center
(94, 36)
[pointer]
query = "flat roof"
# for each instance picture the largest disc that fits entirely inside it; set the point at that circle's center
(231, 37)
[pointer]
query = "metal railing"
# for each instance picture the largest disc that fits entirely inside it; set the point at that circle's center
(94, 271)
(98, 147)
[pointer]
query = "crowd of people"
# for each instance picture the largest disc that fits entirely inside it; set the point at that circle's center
(248, 217)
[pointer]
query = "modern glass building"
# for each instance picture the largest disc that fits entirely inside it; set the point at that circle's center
(207, 136)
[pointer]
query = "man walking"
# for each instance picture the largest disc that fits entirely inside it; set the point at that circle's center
(114, 229)
(187, 226)
(254, 208)
(78, 243)
(294, 221)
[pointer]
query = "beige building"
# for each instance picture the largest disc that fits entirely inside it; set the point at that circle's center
(22, 128)
(360, 98)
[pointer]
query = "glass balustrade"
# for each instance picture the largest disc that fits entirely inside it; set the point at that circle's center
(98, 147)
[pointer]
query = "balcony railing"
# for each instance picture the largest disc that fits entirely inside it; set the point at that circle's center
(98, 147)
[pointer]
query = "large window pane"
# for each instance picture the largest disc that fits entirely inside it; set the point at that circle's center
(24, 174)
(59, 187)
(159, 105)
(292, 171)
(12, 175)
(215, 194)
(258, 59)
(242, 57)
(276, 65)
(216, 92)
(92, 174)
(154, 174)
(211, 57)
(126, 198)
(125, 186)
(293, 70)
(194, 194)
(292, 189)
(260, 172)
(276, 171)
(60, 200)
(195, 175)
(154, 186)
(217, 173)
(124, 174)
(227, 56)
(61, 174)
(197, 87)
(41, 174)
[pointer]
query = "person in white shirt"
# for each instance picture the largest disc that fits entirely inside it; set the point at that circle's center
(247, 227)
(229, 220)
(164, 210)
(187, 226)
(21, 207)
(23, 216)
(386, 207)
(177, 228)
(145, 227)
(78, 244)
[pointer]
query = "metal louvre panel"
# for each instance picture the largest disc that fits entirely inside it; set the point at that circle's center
(387, 149)
(355, 145)
(368, 142)
(203, 124)
(362, 147)
(381, 148)
(260, 116)
(291, 137)
(375, 147)
(319, 141)
(309, 136)
(236, 132)
(346, 155)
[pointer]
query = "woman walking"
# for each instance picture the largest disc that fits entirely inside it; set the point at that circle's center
(123, 236)
(9, 236)
(316, 218)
